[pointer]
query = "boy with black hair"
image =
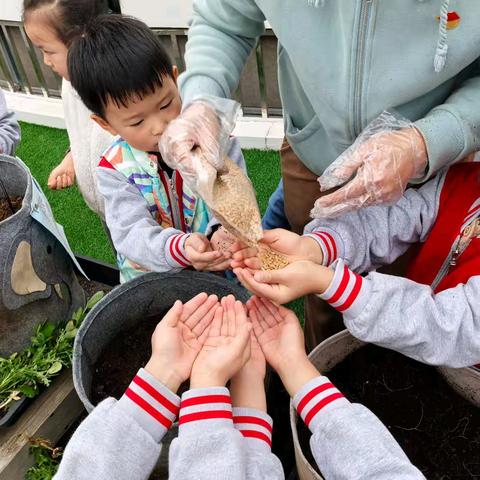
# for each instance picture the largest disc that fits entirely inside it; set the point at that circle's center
(125, 77)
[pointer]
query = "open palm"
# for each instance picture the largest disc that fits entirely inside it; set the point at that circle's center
(227, 346)
(277, 331)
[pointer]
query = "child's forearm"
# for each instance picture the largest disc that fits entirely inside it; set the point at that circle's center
(248, 391)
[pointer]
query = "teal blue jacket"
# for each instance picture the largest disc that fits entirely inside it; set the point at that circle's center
(342, 62)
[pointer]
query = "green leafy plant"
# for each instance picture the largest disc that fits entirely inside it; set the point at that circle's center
(47, 460)
(50, 350)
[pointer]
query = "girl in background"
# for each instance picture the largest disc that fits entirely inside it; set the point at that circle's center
(52, 25)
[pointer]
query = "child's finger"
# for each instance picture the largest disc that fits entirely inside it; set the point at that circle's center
(257, 327)
(245, 253)
(216, 325)
(192, 305)
(272, 309)
(195, 315)
(232, 316)
(240, 315)
(226, 314)
(204, 322)
(241, 341)
(173, 315)
(260, 289)
(202, 257)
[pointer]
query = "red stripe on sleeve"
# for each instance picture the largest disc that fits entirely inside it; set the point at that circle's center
(172, 252)
(188, 402)
(334, 246)
(327, 246)
(254, 421)
(353, 294)
(179, 251)
(144, 405)
(313, 393)
(105, 163)
(156, 395)
(321, 404)
(341, 288)
(258, 435)
(206, 415)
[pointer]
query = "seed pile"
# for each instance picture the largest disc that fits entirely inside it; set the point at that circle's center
(271, 260)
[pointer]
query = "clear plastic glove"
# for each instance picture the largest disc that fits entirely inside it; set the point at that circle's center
(200, 134)
(386, 156)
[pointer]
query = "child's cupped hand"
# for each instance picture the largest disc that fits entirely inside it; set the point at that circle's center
(227, 347)
(294, 247)
(281, 286)
(178, 339)
(202, 256)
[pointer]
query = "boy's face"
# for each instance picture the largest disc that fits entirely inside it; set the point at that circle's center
(142, 122)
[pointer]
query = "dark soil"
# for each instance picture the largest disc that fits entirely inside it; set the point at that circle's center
(6, 211)
(438, 430)
(119, 362)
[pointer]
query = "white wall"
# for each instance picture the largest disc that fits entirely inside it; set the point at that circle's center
(156, 13)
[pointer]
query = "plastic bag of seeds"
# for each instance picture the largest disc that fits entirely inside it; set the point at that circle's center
(231, 198)
(205, 124)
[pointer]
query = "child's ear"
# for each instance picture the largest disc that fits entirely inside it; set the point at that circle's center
(103, 123)
(175, 73)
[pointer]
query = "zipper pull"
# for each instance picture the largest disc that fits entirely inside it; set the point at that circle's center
(453, 260)
(172, 187)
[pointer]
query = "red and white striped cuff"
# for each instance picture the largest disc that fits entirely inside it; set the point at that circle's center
(256, 426)
(316, 398)
(175, 250)
(151, 403)
(328, 243)
(348, 292)
(205, 404)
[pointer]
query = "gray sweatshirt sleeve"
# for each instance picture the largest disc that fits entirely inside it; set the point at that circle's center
(256, 428)
(9, 128)
(402, 315)
(135, 234)
(375, 236)
(121, 440)
(221, 36)
(208, 445)
(348, 441)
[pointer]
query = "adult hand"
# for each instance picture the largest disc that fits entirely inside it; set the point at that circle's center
(198, 251)
(178, 339)
(280, 337)
(282, 286)
(294, 247)
(63, 175)
(226, 349)
(381, 167)
(199, 137)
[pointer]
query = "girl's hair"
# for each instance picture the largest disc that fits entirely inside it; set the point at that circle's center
(68, 18)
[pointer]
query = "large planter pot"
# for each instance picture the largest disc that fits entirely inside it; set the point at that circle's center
(465, 381)
(37, 277)
(127, 305)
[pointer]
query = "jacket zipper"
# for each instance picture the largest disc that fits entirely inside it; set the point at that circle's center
(452, 257)
(173, 200)
(365, 10)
